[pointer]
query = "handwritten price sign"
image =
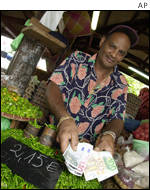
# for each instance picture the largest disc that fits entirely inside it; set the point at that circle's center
(35, 167)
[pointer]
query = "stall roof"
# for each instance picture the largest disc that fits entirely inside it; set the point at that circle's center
(12, 23)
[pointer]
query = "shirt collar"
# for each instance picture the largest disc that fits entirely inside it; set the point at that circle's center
(115, 75)
(92, 58)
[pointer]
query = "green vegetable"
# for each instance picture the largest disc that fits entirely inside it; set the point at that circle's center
(14, 104)
(5, 123)
(51, 126)
(35, 124)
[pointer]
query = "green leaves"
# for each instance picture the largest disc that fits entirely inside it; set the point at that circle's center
(14, 104)
(51, 126)
(35, 124)
(134, 86)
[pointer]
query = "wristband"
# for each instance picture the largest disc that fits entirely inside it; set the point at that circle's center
(63, 119)
(110, 133)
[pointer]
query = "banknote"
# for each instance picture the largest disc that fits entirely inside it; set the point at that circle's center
(92, 164)
(100, 165)
(106, 164)
(73, 170)
(78, 159)
(91, 169)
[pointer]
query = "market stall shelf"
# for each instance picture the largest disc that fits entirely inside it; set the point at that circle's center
(15, 117)
(17, 108)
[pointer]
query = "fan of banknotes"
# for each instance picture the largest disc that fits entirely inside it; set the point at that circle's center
(92, 164)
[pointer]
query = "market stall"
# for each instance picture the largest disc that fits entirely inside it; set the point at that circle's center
(38, 136)
(31, 158)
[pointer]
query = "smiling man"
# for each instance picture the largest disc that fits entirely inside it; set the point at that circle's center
(87, 94)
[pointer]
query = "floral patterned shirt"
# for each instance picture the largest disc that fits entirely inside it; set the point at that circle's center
(91, 106)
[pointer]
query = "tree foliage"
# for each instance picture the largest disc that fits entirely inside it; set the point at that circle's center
(134, 86)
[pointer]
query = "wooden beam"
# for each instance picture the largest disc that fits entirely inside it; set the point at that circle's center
(12, 34)
(9, 19)
(28, 14)
(146, 58)
(128, 63)
(136, 25)
(5, 33)
(36, 22)
(134, 75)
(34, 32)
(107, 18)
(136, 14)
(142, 48)
(135, 66)
(38, 14)
(145, 33)
(139, 61)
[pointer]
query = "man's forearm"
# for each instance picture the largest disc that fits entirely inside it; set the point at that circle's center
(55, 100)
(115, 125)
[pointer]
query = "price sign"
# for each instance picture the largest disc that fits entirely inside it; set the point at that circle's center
(33, 166)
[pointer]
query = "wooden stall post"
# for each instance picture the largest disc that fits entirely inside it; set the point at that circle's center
(36, 38)
(23, 64)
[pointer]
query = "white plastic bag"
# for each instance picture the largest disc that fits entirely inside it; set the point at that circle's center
(131, 158)
(122, 141)
(143, 182)
(51, 19)
(142, 168)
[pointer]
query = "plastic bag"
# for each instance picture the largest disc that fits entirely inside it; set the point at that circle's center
(142, 168)
(133, 168)
(5, 123)
(129, 178)
(131, 158)
(51, 19)
(143, 182)
(141, 147)
(122, 141)
(16, 42)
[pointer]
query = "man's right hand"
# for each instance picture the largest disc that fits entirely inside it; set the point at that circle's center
(67, 131)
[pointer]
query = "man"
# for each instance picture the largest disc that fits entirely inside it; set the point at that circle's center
(87, 94)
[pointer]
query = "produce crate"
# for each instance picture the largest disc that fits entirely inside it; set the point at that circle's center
(133, 104)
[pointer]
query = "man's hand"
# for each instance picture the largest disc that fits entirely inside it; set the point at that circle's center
(67, 131)
(106, 143)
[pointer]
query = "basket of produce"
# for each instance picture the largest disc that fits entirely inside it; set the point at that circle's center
(18, 108)
(133, 104)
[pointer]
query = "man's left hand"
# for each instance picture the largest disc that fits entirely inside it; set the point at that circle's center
(106, 143)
